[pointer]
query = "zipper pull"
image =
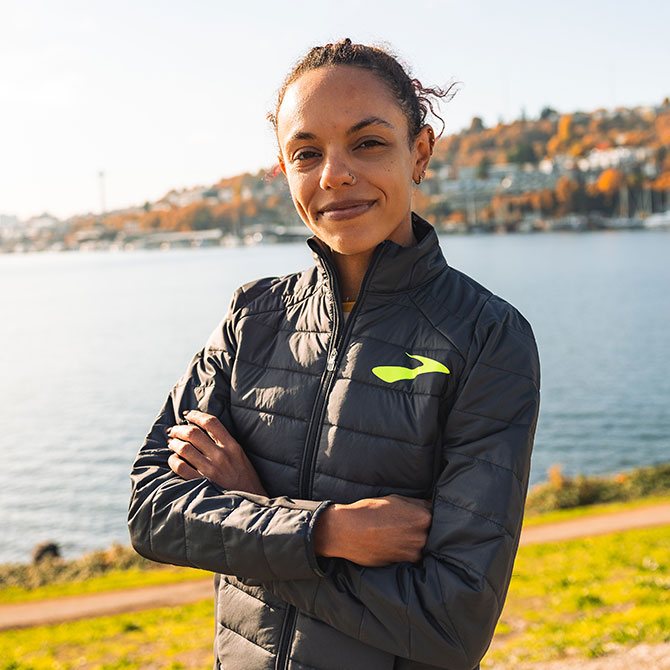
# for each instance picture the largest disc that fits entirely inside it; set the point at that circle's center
(330, 365)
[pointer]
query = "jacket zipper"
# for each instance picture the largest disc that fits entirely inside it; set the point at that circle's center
(336, 347)
(314, 431)
(285, 637)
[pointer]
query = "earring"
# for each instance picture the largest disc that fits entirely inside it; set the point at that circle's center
(419, 179)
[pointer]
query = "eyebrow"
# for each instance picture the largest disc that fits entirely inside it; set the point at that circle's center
(368, 121)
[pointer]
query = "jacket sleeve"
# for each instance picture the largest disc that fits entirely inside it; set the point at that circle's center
(197, 523)
(443, 610)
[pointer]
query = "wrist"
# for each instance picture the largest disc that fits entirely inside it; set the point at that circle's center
(326, 531)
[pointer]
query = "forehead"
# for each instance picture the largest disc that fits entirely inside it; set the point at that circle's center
(335, 98)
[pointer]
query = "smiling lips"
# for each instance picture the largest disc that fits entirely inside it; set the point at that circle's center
(346, 209)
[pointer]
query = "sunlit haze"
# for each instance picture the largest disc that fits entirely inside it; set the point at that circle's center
(173, 95)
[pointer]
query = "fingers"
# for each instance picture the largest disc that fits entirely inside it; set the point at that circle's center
(190, 455)
(211, 425)
(193, 435)
(181, 468)
(207, 434)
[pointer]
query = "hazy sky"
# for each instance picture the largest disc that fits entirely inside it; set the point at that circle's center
(170, 94)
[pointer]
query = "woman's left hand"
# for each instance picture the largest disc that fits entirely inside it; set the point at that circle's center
(204, 448)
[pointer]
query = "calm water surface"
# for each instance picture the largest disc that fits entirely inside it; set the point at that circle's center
(92, 343)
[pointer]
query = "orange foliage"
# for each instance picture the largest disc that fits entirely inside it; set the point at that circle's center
(662, 127)
(637, 138)
(610, 181)
(577, 149)
(564, 132)
(566, 189)
(553, 145)
(662, 182)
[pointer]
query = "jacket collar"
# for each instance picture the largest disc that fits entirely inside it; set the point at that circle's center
(393, 268)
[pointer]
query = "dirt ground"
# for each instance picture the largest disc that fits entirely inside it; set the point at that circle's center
(645, 517)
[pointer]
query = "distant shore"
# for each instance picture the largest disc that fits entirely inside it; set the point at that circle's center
(102, 240)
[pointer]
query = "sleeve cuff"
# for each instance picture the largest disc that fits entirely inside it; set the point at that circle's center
(312, 558)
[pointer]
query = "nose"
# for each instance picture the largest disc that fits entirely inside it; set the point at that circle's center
(335, 172)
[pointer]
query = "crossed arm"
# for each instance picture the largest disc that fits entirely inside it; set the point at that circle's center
(371, 532)
(439, 609)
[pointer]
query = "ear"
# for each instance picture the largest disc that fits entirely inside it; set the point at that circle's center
(282, 165)
(423, 150)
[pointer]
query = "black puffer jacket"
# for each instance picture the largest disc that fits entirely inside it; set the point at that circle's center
(300, 389)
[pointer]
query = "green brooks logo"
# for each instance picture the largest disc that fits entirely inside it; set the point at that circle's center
(394, 373)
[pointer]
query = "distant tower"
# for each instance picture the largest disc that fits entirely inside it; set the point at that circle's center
(101, 174)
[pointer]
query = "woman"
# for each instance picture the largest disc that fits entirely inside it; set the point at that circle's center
(356, 478)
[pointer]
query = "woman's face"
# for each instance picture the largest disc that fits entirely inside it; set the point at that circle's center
(344, 149)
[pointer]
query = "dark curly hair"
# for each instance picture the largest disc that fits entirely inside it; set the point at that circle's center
(414, 98)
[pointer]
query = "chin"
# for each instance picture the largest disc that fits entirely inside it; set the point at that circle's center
(352, 247)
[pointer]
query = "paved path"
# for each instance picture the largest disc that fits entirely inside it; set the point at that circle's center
(57, 610)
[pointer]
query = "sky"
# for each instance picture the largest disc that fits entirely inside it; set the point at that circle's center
(163, 95)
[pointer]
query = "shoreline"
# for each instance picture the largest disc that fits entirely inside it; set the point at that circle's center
(194, 243)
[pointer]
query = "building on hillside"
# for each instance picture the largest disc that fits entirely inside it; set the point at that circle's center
(8, 224)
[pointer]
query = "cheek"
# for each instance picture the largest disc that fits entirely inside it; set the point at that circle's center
(398, 184)
(296, 186)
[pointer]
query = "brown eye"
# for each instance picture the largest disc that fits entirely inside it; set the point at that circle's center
(305, 155)
(369, 144)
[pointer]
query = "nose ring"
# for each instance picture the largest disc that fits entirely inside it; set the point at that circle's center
(353, 179)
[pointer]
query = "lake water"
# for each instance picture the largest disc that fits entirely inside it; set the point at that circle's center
(92, 343)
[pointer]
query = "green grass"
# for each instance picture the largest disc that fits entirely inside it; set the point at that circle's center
(111, 581)
(582, 598)
(585, 598)
(71, 579)
(164, 639)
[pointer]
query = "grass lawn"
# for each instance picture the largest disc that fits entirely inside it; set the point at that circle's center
(176, 638)
(585, 598)
(580, 598)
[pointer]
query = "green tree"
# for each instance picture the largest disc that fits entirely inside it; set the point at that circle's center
(522, 153)
(477, 125)
(548, 113)
(483, 168)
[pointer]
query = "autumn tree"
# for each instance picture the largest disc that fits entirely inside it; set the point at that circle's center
(566, 189)
(565, 128)
(662, 182)
(610, 181)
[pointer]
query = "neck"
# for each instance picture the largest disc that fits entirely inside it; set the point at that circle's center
(352, 268)
(350, 273)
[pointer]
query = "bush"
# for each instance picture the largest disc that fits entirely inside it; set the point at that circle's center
(57, 570)
(563, 492)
